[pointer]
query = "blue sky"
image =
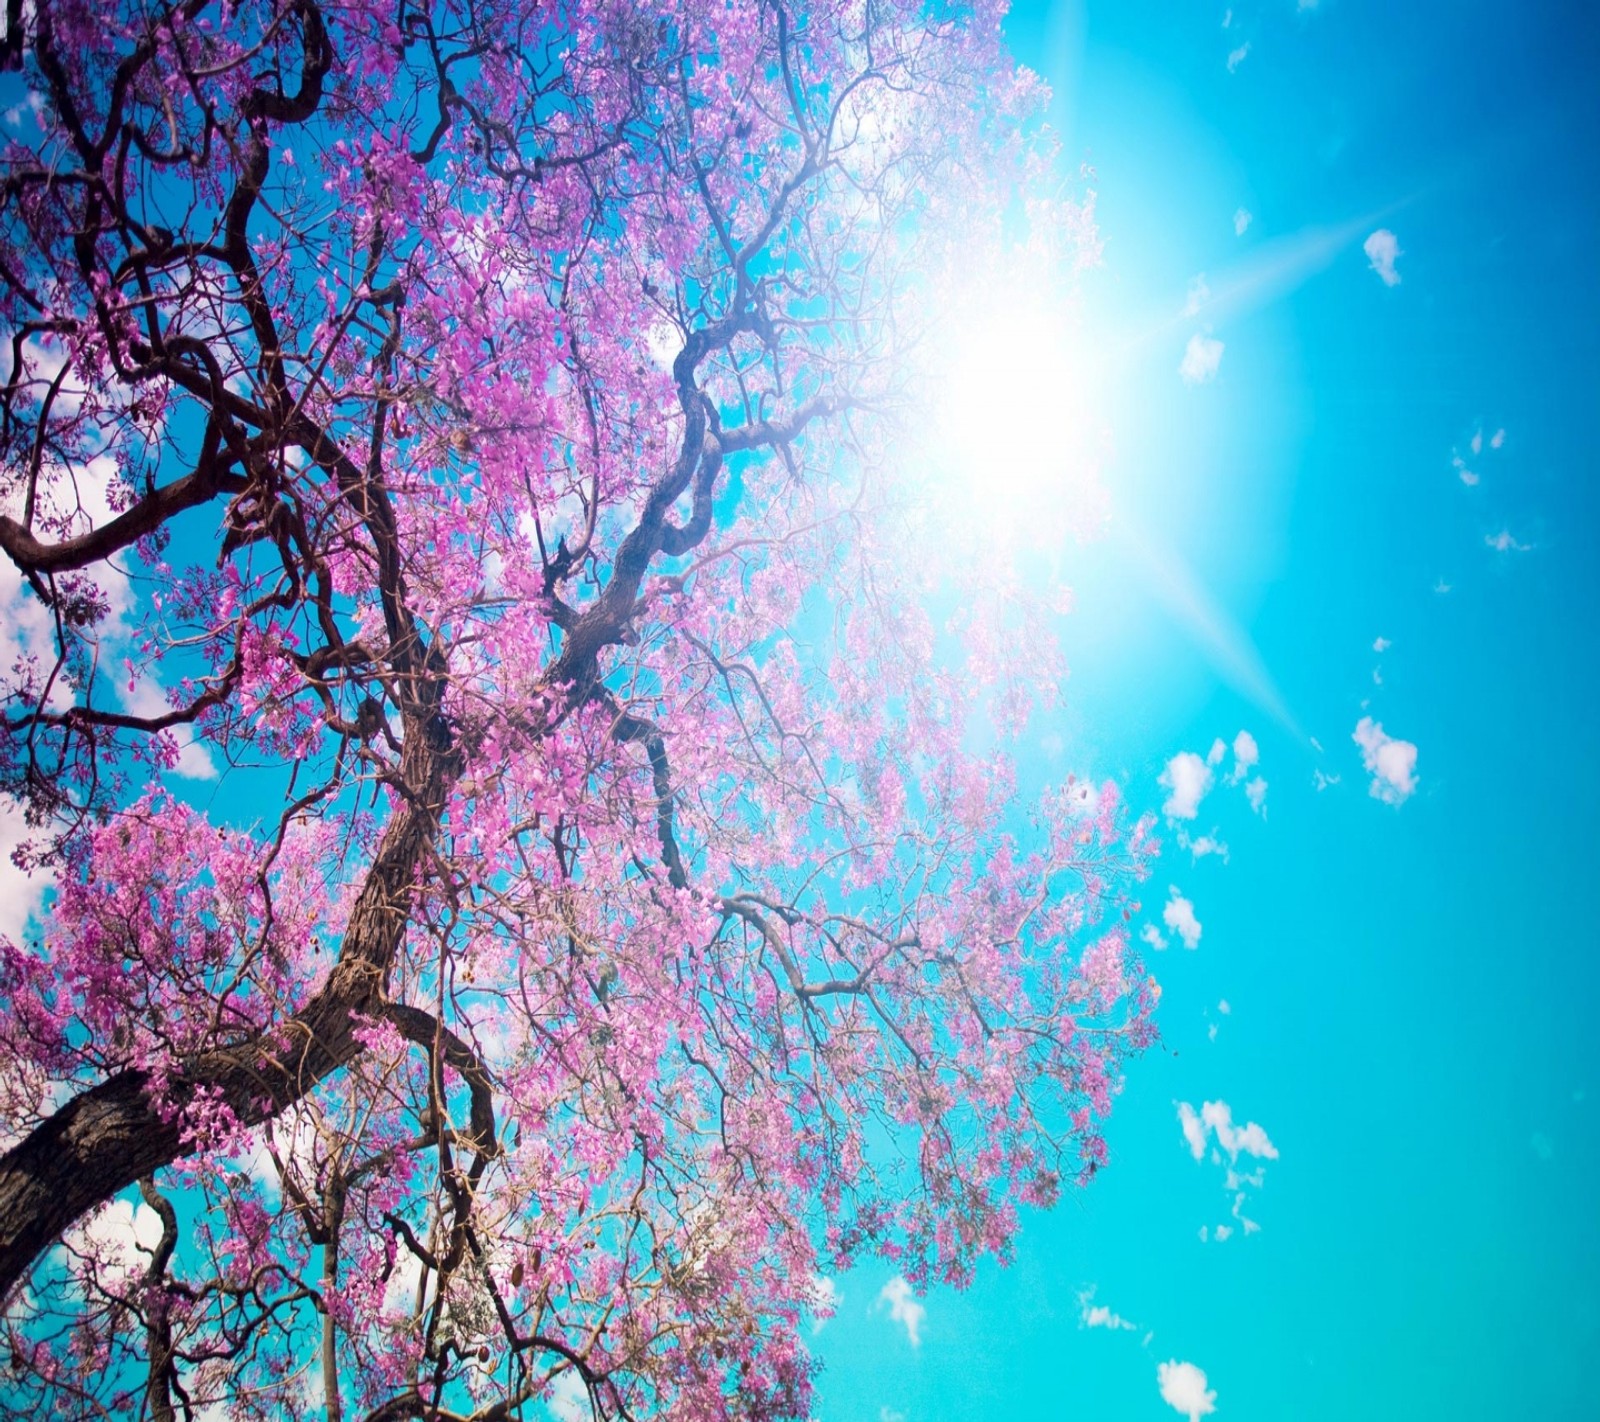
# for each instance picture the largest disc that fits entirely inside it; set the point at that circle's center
(1411, 986)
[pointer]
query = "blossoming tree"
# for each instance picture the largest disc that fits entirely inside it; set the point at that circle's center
(521, 762)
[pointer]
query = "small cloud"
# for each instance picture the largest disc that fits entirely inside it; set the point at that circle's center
(1093, 1315)
(1441, 587)
(1153, 936)
(1199, 294)
(1241, 221)
(1391, 763)
(1503, 542)
(1477, 442)
(1246, 753)
(824, 1301)
(904, 1308)
(1238, 57)
(1178, 915)
(1224, 1008)
(1201, 358)
(1205, 845)
(1382, 644)
(1256, 793)
(1189, 779)
(1383, 250)
(1322, 780)
(1183, 1388)
(1469, 477)
(1251, 1139)
(1543, 1146)
(1193, 1131)
(1497, 439)
(1219, 748)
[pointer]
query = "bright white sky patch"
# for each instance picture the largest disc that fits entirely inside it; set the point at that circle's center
(1392, 763)
(1383, 250)
(569, 1399)
(1183, 1388)
(904, 1308)
(1178, 915)
(1201, 358)
(1188, 778)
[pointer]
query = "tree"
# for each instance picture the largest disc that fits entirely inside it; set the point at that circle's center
(477, 427)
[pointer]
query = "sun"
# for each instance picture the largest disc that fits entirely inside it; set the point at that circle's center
(1017, 425)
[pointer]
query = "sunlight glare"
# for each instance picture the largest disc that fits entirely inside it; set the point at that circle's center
(1016, 432)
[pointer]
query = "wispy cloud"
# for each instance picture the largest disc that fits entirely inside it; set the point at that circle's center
(904, 1308)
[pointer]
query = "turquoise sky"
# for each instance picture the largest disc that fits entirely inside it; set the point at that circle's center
(1412, 987)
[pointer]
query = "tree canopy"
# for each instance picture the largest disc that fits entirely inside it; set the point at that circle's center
(524, 761)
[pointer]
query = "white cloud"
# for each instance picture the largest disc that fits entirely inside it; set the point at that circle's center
(569, 1399)
(1199, 294)
(1204, 845)
(1178, 915)
(1382, 644)
(1256, 793)
(1188, 778)
(1469, 477)
(1238, 57)
(1245, 754)
(1201, 358)
(904, 1308)
(824, 1301)
(1441, 587)
(1183, 1388)
(1392, 763)
(1153, 936)
(1224, 1008)
(1193, 1130)
(1093, 1315)
(1241, 221)
(1219, 748)
(121, 1238)
(21, 893)
(1217, 1116)
(1383, 250)
(1498, 439)
(1503, 542)
(1477, 442)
